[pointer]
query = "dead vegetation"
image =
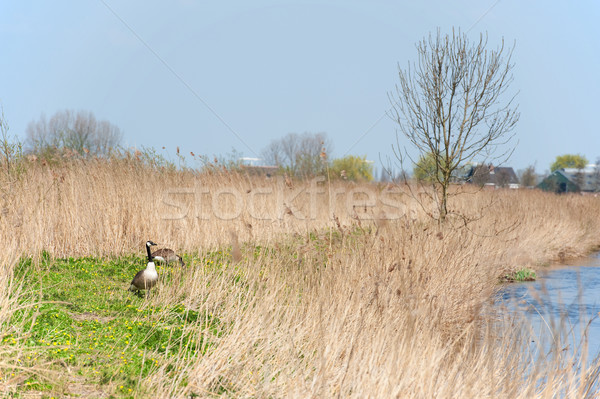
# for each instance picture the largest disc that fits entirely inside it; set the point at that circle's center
(336, 290)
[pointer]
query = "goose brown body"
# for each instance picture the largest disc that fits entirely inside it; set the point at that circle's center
(145, 279)
(167, 255)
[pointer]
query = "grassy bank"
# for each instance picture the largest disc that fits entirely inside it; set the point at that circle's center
(290, 289)
(95, 338)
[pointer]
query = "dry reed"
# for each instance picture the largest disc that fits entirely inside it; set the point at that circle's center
(362, 295)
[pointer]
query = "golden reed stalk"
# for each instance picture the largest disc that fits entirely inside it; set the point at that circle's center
(356, 292)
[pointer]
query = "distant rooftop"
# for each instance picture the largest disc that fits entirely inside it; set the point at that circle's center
(589, 169)
(251, 161)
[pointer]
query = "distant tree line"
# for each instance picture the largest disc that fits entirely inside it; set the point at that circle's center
(78, 132)
(306, 155)
(426, 170)
(301, 155)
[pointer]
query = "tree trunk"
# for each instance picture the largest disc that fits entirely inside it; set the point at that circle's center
(443, 205)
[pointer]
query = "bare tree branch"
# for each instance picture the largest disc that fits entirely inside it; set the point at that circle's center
(451, 105)
(300, 154)
(79, 132)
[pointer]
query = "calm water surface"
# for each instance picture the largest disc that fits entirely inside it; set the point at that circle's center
(568, 296)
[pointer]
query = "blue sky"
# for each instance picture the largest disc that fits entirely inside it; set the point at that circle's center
(221, 75)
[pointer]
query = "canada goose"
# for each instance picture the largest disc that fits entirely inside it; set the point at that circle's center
(147, 278)
(167, 255)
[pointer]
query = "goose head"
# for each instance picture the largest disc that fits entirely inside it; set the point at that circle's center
(148, 245)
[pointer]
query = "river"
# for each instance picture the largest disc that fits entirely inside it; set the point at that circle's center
(564, 300)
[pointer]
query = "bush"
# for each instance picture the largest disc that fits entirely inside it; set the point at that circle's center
(353, 168)
(425, 169)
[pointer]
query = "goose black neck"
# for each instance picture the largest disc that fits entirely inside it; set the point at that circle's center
(149, 253)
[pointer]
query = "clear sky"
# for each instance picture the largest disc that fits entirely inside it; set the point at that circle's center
(212, 76)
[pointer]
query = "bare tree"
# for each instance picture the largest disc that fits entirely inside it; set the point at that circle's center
(452, 104)
(311, 157)
(299, 153)
(527, 176)
(502, 178)
(79, 132)
(290, 146)
(283, 151)
(11, 154)
(273, 153)
(481, 175)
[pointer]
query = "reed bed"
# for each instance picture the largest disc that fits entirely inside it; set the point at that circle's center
(333, 289)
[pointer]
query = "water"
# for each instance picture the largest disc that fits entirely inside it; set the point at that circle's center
(563, 301)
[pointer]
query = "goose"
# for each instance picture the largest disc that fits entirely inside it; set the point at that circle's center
(167, 255)
(147, 278)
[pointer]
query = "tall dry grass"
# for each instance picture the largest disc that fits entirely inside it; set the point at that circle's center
(105, 208)
(356, 292)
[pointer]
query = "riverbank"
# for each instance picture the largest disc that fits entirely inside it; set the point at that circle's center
(378, 301)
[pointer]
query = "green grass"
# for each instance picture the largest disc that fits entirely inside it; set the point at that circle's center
(519, 276)
(84, 324)
(83, 327)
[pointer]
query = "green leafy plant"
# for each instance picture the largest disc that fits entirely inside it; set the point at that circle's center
(569, 161)
(519, 276)
(353, 168)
